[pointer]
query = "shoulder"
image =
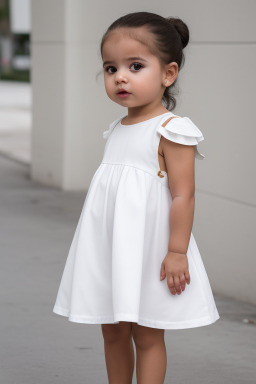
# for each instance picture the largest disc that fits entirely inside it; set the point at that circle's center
(181, 130)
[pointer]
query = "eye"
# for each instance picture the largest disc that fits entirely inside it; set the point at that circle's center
(137, 65)
(108, 67)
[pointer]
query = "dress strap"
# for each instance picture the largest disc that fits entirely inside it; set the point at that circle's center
(167, 121)
(182, 131)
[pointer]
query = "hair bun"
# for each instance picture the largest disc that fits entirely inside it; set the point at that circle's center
(181, 28)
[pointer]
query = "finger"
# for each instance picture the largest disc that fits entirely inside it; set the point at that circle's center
(182, 282)
(162, 272)
(187, 276)
(177, 284)
(171, 285)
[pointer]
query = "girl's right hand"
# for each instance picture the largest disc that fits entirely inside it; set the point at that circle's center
(175, 267)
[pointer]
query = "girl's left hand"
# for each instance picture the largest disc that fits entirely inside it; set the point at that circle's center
(175, 266)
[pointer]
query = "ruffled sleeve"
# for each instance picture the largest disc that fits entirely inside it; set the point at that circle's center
(107, 133)
(182, 130)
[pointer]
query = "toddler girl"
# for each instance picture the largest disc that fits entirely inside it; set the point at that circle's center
(134, 266)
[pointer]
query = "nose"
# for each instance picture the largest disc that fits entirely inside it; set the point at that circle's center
(120, 77)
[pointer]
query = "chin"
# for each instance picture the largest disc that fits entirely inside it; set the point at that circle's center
(122, 102)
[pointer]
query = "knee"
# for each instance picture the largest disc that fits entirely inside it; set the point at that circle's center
(145, 337)
(113, 333)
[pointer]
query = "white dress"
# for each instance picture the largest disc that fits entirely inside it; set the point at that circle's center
(112, 272)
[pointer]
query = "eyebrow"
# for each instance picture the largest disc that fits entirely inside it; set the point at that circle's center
(127, 59)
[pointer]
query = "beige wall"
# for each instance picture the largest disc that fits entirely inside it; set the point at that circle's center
(217, 83)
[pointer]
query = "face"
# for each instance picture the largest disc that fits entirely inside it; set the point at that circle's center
(128, 64)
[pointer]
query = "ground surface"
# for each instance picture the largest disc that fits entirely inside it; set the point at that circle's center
(40, 347)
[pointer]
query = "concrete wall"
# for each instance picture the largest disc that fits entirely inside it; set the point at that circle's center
(218, 93)
(71, 110)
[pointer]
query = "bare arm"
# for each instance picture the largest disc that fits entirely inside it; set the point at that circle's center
(180, 164)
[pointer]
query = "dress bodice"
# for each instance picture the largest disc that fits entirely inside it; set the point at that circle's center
(136, 145)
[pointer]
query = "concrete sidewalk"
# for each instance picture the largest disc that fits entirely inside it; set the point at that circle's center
(40, 347)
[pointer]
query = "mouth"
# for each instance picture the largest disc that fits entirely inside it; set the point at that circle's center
(123, 93)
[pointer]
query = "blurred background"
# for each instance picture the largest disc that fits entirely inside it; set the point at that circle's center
(15, 29)
(53, 111)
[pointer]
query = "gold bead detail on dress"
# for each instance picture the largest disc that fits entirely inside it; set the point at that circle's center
(160, 174)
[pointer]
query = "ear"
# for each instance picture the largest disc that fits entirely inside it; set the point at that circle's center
(170, 73)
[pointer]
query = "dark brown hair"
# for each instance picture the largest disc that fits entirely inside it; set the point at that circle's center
(170, 36)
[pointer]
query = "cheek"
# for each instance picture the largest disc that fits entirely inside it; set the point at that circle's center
(147, 80)
(109, 86)
(147, 85)
(108, 82)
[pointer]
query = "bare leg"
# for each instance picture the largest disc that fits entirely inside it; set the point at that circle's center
(119, 352)
(151, 354)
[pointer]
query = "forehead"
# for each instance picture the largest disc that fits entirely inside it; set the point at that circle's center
(128, 42)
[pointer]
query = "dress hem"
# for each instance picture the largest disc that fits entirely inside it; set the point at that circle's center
(200, 322)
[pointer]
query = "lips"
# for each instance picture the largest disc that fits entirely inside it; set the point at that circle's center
(122, 91)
